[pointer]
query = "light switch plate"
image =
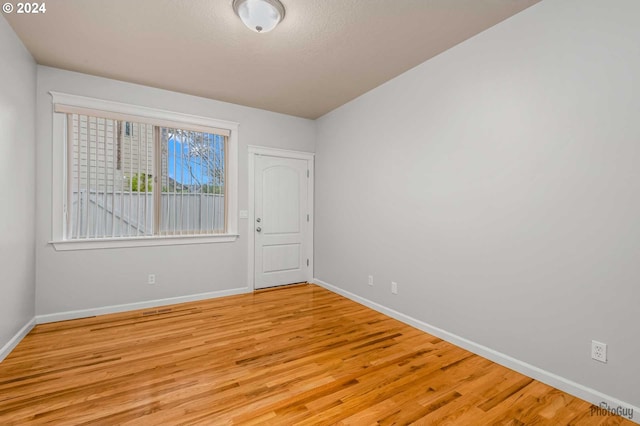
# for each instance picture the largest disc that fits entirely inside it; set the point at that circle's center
(244, 214)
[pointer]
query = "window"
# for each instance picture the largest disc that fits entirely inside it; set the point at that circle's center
(151, 175)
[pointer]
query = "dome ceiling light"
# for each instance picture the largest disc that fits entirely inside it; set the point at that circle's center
(260, 16)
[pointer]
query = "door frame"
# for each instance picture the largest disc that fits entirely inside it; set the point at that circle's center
(255, 151)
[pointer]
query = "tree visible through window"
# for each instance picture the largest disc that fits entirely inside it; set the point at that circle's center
(133, 179)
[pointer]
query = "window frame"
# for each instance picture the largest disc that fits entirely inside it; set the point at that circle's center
(61, 160)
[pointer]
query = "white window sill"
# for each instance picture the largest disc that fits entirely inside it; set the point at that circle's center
(142, 242)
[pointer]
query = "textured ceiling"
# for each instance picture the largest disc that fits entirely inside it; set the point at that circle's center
(323, 54)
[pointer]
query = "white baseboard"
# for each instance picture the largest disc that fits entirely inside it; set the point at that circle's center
(11, 344)
(84, 313)
(576, 389)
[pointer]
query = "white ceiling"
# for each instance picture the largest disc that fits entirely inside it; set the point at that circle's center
(323, 54)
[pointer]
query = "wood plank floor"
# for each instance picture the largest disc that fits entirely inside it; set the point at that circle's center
(298, 355)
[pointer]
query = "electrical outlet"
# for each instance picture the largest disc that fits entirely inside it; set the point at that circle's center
(370, 279)
(151, 279)
(394, 287)
(599, 351)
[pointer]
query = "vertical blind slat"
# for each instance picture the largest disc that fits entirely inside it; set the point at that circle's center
(114, 164)
(120, 148)
(104, 179)
(138, 177)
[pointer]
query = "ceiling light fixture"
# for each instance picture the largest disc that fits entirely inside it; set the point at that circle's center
(260, 16)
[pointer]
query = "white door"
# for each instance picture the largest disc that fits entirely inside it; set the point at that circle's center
(281, 221)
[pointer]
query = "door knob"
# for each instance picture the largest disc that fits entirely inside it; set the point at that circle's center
(258, 220)
(258, 229)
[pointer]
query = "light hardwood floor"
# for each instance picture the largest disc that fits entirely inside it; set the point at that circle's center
(293, 355)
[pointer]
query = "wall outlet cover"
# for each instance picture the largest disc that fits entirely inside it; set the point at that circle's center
(599, 351)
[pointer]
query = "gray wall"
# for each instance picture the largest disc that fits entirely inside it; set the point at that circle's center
(17, 178)
(498, 184)
(75, 280)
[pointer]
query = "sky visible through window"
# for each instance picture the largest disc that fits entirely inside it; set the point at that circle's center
(196, 162)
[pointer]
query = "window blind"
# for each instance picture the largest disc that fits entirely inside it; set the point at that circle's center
(136, 179)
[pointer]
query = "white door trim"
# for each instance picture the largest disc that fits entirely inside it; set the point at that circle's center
(282, 153)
